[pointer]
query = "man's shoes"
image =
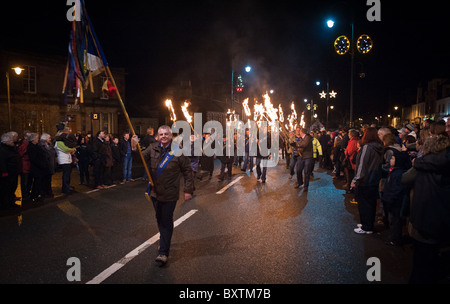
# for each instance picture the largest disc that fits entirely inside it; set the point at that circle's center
(297, 185)
(305, 189)
(360, 231)
(161, 260)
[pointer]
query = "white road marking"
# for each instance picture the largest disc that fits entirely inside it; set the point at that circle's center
(95, 190)
(230, 185)
(134, 253)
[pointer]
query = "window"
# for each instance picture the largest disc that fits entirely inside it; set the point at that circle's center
(29, 80)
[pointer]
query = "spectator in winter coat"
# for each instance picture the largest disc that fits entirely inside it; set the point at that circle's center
(350, 153)
(9, 170)
(39, 167)
(24, 168)
(109, 161)
(367, 179)
(50, 153)
(84, 156)
(126, 151)
(64, 157)
(393, 194)
(99, 158)
(430, 209)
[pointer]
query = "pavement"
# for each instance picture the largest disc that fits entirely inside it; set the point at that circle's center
(23, 205)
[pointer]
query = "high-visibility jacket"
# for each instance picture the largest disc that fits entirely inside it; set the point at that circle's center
(317, 147)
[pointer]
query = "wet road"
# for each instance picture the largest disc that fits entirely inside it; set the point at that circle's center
(249, 233)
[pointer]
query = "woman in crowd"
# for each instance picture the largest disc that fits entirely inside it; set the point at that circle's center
(367, 179)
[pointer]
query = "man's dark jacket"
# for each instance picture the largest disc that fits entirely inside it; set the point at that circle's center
(167, 187)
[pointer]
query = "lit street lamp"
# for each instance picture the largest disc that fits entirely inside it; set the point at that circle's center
(18, 71)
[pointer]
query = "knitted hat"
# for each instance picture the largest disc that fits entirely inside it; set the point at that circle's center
(410, 127)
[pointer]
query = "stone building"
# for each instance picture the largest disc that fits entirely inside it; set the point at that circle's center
(37, 103)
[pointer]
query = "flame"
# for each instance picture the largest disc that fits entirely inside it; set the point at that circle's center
(247, 110)
(293, 118)
(259, 111)
(270, 110)
(281, 113)
(302, 121)
(169, 105)
(185, 111)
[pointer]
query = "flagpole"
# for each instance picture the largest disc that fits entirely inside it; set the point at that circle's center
(108, 71)
(129, 124)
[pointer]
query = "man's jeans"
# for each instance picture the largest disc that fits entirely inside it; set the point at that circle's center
(66, 171)
(304, 166)
(248, 159)
(127, 165)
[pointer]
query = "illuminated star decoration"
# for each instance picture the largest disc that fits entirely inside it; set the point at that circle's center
(323, 95)
(333, 94)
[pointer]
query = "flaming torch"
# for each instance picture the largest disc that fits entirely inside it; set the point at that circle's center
(247, 110)
(169, 105)
(184, 108)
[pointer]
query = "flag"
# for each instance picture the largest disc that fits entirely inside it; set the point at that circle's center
(86, 58)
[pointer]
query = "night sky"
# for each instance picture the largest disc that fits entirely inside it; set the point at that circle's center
(286, 42)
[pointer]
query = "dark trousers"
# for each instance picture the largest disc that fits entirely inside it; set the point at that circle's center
(425, 263)
(8, 187)
(304, 167)
(66, 171)
(261, 173)
(84, 172)
(99, 173)
(366, 196)
(25, 185)
(164, 218)
(228, 166)
(395, 221)
(47, 185)
(292, 164)
(288, 160)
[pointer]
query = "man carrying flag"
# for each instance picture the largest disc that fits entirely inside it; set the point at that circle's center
(166, 170)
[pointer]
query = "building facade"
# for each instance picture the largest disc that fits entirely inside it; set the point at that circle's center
(36, 102)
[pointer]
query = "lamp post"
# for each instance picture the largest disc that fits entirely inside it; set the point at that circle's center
(343, 46)
(18, 71)
(327, 96)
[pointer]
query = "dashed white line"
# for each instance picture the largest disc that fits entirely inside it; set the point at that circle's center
(229, 185)
(135, 252)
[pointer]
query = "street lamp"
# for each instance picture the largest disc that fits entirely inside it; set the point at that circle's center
(330, 23)
(18, 71)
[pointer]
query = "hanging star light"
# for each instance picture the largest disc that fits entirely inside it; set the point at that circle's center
(323, 95)
(333, 94)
